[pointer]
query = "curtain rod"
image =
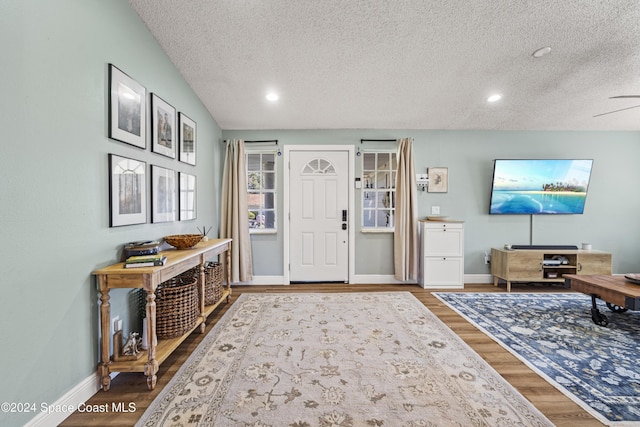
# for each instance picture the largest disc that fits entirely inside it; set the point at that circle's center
(265, 140)
(377, 140)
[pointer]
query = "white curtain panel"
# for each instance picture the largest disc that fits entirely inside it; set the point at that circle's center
(234, 222)
(405, 236)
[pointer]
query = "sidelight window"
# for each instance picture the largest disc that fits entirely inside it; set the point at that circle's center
(378, 190)
(261, 191)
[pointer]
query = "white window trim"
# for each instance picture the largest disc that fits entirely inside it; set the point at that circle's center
(377, 230)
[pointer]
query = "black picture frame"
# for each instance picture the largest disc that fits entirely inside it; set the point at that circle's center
(187, 130)
(188, 196)
(127, 191)
(127, 109)
(163, 194)
(163, 127)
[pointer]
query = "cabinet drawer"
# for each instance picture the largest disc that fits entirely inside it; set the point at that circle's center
(443, 242)
(443, 272)
(444, 225)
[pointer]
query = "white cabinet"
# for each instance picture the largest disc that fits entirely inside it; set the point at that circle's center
(442, 254)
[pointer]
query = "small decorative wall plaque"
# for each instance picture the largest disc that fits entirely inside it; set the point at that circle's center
(438, 180)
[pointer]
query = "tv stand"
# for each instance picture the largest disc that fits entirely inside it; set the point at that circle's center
(546, 265)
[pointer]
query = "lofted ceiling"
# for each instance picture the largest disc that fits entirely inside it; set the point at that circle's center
(406, 64)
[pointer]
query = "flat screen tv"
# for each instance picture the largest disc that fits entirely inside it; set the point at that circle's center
(539, 187)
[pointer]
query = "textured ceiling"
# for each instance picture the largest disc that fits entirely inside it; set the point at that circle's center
(406, 64)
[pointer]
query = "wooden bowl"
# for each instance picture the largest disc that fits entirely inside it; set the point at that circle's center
(183, 241)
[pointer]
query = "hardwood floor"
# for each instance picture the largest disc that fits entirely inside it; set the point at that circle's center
(131, 388)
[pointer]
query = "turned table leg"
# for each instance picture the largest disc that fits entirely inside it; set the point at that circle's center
(105, 332)
(151, 367)
(201, 286)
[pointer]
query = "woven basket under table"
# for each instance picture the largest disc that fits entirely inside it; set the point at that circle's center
(213, 283)
(177, 308)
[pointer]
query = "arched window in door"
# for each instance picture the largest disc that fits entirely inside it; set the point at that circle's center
(318, 166)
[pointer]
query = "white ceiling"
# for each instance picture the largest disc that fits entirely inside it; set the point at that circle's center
(405, 64)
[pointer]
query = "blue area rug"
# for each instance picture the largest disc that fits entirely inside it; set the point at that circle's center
(597, 367)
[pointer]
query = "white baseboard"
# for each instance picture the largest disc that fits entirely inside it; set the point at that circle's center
(390, 279)
(379, 279)
(361, 279)
(72, 399)
(478, 278)
(358, 279)
(263, 280)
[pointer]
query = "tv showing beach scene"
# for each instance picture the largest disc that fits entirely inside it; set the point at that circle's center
(539, 186)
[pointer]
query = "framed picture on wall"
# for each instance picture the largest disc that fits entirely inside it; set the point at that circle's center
(187, 137)
(163, 194)
(163, 127)
(127, 191)
(127, 109)
(187, 202)
(438, 180)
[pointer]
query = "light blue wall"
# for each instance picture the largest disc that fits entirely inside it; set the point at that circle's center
(54, 209)
(610, 221)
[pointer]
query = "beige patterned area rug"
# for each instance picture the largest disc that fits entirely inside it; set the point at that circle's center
(336, 359)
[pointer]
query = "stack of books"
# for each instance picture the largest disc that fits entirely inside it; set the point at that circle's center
(145, 261)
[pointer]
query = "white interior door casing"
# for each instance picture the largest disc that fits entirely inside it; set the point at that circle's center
(319, 234)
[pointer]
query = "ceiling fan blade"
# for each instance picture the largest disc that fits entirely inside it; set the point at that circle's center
(624, 96)
(615, 111)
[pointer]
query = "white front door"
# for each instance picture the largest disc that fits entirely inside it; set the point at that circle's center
(318, 207)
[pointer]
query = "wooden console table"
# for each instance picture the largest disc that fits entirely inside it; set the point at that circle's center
(148, 278)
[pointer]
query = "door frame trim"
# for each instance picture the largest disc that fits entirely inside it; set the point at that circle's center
(287, 207)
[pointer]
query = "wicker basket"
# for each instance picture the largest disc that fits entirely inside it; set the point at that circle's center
(213, 283)
(176, 306)
(183, 241)
(190, 274)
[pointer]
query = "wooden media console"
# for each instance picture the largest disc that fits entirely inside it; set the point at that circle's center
(546, 265)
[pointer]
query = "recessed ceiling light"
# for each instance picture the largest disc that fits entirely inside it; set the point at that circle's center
(494, 98)
(272, 96)
(541, 52)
